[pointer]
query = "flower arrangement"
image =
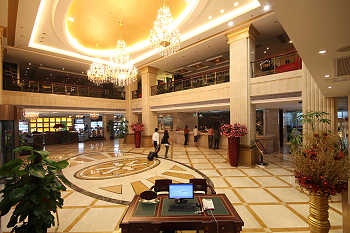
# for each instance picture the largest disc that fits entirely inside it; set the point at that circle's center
(320, 165)
(235, 130)
(137, 127)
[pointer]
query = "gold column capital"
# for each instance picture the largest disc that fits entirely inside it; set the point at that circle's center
(147, 70)
(244, 31)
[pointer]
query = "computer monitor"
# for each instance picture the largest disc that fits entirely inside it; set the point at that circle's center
(181, 191)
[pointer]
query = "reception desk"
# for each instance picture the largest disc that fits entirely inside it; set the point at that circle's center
(178, 137)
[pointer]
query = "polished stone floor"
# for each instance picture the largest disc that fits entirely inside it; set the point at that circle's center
(103, 176)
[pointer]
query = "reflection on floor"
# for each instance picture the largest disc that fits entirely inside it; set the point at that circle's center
(266, 198)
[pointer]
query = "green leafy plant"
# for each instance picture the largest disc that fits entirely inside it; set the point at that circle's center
(33, 189)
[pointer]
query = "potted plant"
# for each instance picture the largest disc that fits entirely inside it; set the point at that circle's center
(137, 128)
(320, 167)
(233, 133)
(33, 189)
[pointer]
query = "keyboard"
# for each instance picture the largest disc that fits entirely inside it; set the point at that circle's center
(183, 207)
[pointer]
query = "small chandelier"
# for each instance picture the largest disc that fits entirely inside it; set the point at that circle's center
(120, 71)
(164, 35)
(31, 115)
(94, 116)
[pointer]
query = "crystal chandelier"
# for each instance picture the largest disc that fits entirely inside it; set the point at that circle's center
(120, 70)
(164, 35)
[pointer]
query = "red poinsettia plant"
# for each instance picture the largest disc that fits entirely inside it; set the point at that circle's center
(236, 130)
(321, 166)
(137, 127)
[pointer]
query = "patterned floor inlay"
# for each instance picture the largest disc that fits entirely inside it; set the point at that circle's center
(120, 177)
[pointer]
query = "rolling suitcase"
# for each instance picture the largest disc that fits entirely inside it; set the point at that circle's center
(151, 155)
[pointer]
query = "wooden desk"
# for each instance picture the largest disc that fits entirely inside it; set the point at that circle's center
(149, 218)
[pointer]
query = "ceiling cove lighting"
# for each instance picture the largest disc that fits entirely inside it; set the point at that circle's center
(164, 34)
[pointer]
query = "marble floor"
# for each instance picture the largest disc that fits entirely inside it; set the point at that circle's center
(103, 176)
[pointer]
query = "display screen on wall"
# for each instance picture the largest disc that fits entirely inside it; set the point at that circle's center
(47, 124)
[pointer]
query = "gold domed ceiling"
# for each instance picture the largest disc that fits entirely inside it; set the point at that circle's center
(98, 26)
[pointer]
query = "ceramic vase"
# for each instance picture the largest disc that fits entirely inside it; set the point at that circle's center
(233, 150)
(318, 213)
(137, 139)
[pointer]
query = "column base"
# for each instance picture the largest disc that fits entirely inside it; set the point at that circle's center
(247, 156)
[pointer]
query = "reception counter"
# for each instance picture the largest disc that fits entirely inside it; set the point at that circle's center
(177, 137)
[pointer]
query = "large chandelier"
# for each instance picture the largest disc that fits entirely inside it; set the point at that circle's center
(164, 35)
(120, 71)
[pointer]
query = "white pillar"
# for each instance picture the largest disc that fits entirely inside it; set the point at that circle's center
(242, 50)
(149, 119)
(315, 101)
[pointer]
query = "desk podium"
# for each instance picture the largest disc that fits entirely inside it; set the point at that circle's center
(153, 218)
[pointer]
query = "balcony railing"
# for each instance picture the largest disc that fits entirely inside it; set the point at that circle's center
(63, 89)
(136, 94)
(276, 64)
(201, 80)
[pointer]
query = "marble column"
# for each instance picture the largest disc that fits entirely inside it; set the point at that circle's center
(129, 115)
(1, 61)
(242, 49)
(315, 101)
(149, 119)
(346, 194)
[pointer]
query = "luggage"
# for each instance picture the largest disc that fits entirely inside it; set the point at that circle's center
(151, 155)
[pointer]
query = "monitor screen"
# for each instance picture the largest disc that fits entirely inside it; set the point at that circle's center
(180, 191)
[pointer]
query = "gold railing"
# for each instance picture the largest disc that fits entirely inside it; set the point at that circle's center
(276, 64)
(196, 81)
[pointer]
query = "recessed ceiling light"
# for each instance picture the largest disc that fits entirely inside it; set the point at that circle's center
(267, 7)
(210, 17)
(330, 87)
(230, 24)
(222, 11)
(326, 76)
(322, 51)
(267, 48)
(290, 42)
(235, 4)
(264, 51)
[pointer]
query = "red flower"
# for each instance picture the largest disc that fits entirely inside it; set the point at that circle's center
(137, 127)
(235, 130)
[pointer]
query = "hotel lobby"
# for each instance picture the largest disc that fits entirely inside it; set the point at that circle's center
(76, 76)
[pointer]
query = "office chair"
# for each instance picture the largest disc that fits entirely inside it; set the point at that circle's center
(161, 186)
(201, 186)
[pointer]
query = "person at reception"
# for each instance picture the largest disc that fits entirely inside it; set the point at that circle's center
(186, 132)
(210, 137)
(216, 138)
(156, 142)
(165, 141)
(195, 135)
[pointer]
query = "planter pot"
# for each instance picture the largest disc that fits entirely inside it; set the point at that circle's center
(137, 139)
(318, 213)
(233, 150)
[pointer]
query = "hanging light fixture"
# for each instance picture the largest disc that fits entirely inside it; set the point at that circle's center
(123, 70)
(31, 115)
(120, 70)
(163, 35)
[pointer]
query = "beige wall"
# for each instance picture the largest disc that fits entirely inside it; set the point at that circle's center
(63, 101)
(276, 83)
(209, 93)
